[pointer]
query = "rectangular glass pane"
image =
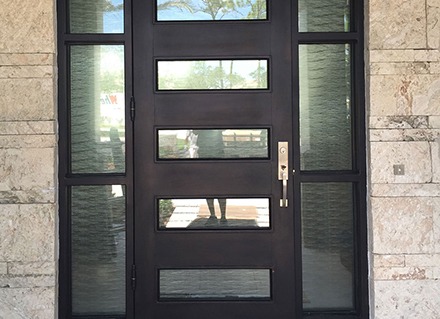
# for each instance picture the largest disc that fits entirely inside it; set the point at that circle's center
(97, 16)
(214, 213)
(98, 249)
(325, 107)
(324, 16)
(214, 284)
(196, 10)
(212, 75)
(327, 245)
(97, 109)
(213, 144)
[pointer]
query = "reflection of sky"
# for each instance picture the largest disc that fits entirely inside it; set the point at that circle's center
(114, 20)
(179, 14)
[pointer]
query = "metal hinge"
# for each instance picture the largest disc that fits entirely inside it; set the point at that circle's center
(132, 108)
(133, 277)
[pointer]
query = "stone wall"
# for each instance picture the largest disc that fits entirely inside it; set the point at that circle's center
(404, 122)
(27, 160)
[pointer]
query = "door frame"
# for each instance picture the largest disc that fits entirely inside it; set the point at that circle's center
(66, 179)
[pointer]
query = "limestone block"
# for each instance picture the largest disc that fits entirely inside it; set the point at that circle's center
(407, 299)
(403, 135)
(27, 169)
(403, 273)
(434, 68)
(434, 121)
(404, 55)
(403, 225)
(26, 72)
(27, 26)
(405, 190)
(426, 55)
(389, 261)
(428, 102)
(27, 303)
(29, 196)
(433, 3)
(27, 127)
(395, 95)
(393, 122)
(27, 59)
(27, 99)
(435, 153)
(433, 27)
(437, 230)
(436, 273)
(397, 24)
(422, 260)
(12, 281)
(3, 268)
(415, 156)
(27, 141)
(32, 268)
(389, 68)
(27, 232)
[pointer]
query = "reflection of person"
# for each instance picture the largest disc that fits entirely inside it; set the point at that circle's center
(213, 218)
(116, 146)
(210, 143)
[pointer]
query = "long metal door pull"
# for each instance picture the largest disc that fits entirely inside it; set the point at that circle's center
(283, 169)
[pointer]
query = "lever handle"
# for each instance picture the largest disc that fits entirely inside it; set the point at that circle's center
(283, 168)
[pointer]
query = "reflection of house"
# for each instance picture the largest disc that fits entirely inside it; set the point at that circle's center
(402, 71)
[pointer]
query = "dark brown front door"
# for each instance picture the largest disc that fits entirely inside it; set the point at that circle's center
(213, 99)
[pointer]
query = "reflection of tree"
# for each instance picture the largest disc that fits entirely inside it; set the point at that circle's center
(260, 75)
(219, 9)
(108, 6)
(111, 78)
(182, 4)
(257, 8)
(204, 75)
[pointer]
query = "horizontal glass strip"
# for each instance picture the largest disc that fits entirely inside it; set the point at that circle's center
(212, 75)
(213, 144)
(214, 213)
(199, 10)
(324, 16)
(214, 284)
(96, 16)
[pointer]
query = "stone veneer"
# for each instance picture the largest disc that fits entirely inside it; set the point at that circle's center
(403, 96)
(27, 160)
(404, 128)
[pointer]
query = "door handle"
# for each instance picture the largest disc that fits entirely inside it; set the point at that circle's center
(283, 169)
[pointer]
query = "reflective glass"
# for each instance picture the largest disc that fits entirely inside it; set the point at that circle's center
(214, 284)
(324, 16)
(98, 249)
(325, 107)
(214, 213)
(213, 144)
(327, 245)
(212, 75)
(97, 109)
(96, 16)
(192, 10)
